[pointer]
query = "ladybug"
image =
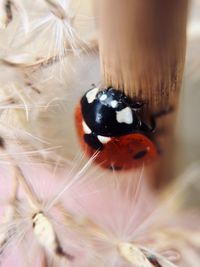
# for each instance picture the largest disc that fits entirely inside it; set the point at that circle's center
(108, 123)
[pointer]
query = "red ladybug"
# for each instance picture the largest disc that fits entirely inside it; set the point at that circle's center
(108, 123)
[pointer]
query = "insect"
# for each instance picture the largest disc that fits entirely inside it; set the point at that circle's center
(109, 122)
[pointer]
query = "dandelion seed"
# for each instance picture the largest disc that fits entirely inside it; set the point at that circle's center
(56, 8)
(42, 227)
(8, 232)
(134, 255)
(46, 236)
(5, 13)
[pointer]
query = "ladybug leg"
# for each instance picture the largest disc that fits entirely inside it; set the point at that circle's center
(93, 142)
(152, 127)
(154, 116)
(93, 85)
(159, 149)
(137, 105)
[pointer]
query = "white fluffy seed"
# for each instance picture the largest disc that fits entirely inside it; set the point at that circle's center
(44, 232)
(133, 255)
(7, 218)
(5, 13)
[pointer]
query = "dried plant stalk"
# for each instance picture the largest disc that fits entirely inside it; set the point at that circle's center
(142, 48)
(142, 51)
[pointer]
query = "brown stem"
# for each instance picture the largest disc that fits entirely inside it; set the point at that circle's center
(142, 51)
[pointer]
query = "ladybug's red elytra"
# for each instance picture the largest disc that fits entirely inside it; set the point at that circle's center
(108, 122)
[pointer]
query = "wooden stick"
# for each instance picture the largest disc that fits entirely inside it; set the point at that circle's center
(142, 52)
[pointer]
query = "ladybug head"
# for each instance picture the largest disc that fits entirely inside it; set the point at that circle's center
(108, 112)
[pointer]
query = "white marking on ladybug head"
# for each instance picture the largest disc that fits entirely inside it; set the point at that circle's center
(91, 95)
(86, 129)
(114, 103)
(103, 97)
(124, 116)
(103, 139)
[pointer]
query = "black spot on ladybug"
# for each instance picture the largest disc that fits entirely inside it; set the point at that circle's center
(140, 154)
(115, 168)
(93, 141)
